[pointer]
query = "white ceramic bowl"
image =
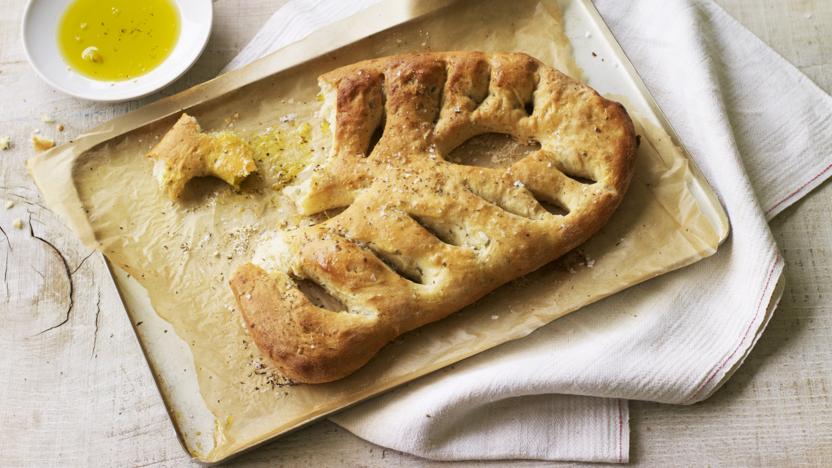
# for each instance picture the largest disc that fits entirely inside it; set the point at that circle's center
(40, 40)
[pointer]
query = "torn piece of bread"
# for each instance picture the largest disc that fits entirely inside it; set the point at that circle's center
(186, 152)
(416, 236)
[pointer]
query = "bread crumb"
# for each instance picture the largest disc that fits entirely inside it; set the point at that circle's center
(17, 223)
(47, 119)
(59, 127)
(41, 143)
(9, 205)
(5, 143)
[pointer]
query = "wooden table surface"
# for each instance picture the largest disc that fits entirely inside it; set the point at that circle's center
(81, 393)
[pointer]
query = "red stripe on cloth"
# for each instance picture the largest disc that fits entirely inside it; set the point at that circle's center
(799, 189)
(759, 308)
(620, 433)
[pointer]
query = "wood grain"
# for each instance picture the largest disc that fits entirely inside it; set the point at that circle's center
(75, 389)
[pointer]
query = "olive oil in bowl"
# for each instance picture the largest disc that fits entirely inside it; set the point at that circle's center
(117, 40)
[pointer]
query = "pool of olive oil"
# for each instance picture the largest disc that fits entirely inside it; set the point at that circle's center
(116, 40)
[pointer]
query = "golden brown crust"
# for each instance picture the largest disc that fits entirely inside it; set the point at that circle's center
(186, 152)
(423, 237)
(323, 334)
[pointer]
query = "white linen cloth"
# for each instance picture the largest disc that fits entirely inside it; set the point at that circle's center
(759, 130)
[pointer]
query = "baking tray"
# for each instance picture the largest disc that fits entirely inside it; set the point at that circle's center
(597, 57)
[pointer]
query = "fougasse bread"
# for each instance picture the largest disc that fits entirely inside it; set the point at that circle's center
(414, 236)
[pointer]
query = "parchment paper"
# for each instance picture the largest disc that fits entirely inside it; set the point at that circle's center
(183, 253)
